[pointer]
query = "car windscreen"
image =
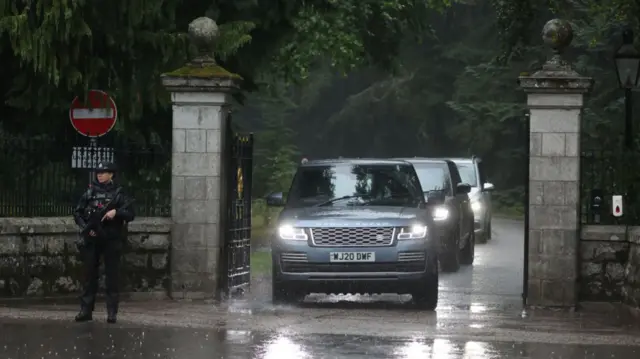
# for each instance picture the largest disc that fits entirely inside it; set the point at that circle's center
(433, 177)
(467, 173)
(359, 184)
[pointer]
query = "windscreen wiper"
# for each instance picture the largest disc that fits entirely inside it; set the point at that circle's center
(340, 199)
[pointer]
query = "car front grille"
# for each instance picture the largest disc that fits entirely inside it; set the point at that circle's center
(294, 257)
(352, 236)
(407, 267)
(411, 256)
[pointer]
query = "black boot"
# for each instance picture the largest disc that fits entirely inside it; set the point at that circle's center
(84, 316)
(112, 317)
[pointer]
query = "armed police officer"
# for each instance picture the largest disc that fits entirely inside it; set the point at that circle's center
(102, 215)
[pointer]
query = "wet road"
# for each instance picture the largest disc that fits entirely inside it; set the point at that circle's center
(479, 316)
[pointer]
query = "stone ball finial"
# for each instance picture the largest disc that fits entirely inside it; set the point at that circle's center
(203, 32)
(557, 34)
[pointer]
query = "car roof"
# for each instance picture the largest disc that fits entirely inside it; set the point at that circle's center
(356, 161)
(461, 159)
(424, 160)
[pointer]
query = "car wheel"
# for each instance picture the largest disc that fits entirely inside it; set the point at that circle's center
(450, 261)
(488, 231)
(482, 238)
(427, 296)
(281, 294)
(469, 251)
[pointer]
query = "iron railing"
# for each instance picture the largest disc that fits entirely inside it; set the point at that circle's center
(604, 174)
(41, 176)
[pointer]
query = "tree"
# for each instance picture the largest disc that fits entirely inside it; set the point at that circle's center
(52, 50)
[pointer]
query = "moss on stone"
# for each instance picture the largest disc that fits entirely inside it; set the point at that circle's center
(211, 71)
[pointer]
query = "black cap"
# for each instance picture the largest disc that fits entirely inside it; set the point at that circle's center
(105, 167)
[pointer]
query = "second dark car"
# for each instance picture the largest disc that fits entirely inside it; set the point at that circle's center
(449, 203)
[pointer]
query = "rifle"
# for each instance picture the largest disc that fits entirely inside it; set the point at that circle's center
(94, 223)
(94, 217)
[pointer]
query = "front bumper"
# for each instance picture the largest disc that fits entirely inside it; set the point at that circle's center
(397, 268)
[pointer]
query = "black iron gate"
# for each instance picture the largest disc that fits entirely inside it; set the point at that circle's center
(525, 265)
(236, 269)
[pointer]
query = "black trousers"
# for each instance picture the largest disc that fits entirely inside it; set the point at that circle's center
(111, 251)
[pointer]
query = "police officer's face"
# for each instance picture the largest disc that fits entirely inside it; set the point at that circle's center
(104, 177)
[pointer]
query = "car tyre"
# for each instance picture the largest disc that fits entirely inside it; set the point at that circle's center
(468, 253)
(450, 261)
(427, 296)
(281, 294)
(482, 238)
(488, 230)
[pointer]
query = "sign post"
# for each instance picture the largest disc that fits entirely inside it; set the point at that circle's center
(92, 119)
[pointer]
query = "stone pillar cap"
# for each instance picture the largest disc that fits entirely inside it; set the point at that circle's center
(202, 74)
(556, 74)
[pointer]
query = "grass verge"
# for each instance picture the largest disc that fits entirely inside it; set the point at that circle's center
(509, 212)
(260, 263)
(260, 232)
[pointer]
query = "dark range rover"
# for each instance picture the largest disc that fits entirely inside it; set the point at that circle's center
(449, 203)
(354, 226)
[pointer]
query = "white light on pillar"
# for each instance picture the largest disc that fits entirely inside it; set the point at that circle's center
(627, 61)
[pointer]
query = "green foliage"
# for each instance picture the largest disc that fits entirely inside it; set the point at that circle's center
(350, 33)
(453, 95)
(276, 151)
(594, 21)
(514, 19)
(331, 78)
(66, 47)
(232, 37)
(52, 51)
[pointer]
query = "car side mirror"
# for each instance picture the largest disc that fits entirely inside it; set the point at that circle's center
(275, 199)
(463, 188)
(434, 197)
(488, 187)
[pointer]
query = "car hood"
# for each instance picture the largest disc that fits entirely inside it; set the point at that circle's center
(356, 216)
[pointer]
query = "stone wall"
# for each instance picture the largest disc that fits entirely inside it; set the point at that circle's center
(610, 264)
(631, 288)
(38, 257)
(604, 256)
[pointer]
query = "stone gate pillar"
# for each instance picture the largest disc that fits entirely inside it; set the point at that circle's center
(200, 93)
(555, 97)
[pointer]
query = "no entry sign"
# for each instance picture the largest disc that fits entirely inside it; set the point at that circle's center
(96, 117)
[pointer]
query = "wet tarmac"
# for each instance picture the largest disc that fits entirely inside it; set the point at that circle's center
(53, 340)
(479, 316)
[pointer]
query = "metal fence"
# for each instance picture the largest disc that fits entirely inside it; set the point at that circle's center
(237, 240)
(42, 176)
(608, 173)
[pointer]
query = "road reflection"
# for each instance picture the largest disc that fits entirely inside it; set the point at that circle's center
(280, 347)
(476, 350)
(37, 340)
(415, 348)
(443, 349)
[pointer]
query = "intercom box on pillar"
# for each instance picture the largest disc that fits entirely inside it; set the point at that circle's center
(617, 206)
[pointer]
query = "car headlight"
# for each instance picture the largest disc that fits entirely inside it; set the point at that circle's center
(417, 231)
(476, 206)
(440, 214)
(292, 233)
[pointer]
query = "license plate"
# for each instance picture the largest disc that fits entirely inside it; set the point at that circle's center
(352, 257)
